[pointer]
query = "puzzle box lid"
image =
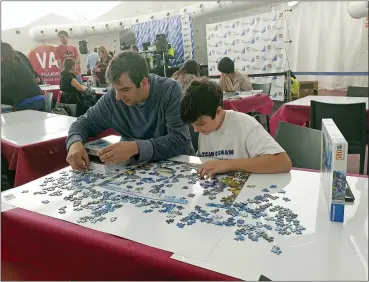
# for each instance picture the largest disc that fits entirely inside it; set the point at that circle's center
(93, 147)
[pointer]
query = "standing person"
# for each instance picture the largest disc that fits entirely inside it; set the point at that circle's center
(18, 86)
(64, 50)
(232, 80)
(189, 71)
(91, 61)
(143, 108)
(102, 65)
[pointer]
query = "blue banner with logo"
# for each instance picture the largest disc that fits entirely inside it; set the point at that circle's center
(172, 28)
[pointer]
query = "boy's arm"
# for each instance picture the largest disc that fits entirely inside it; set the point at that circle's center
(177, 141)
(266, 156)
(96, 120)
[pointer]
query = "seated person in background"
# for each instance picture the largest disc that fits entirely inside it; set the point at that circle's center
(70, 85)
(231, 80)
(143, 108)
(18, 86)
(25, 60)
(187, 73)
(237, 140)
(102, 65)
(295, 85)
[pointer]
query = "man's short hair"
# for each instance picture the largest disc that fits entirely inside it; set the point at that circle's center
(202, 98)
(226, 65)
(63, 32)
(95, 49)
(130, 62)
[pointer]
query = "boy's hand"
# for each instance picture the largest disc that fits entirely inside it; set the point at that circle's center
(210, 168)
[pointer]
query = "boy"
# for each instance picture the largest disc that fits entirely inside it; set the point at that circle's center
(236, 139)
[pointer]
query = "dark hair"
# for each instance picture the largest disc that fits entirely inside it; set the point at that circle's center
(61, 32)
(190, 66)
(111, 53)
(68, 64)
(8, 53)
(130, 62)
(202, 97)
(95, 49)
(226, 65)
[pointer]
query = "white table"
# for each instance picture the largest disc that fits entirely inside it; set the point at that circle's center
(49, 87)
(326, 251)
(329, 99)
(14, 118)
(99, 90)
(30, 127)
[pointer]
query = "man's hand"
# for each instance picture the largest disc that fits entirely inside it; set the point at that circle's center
(208, 169)
(77, 156)
(118, 152)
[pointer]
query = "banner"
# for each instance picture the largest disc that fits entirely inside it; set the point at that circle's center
(177, 30)
(255, 44)
(42, 58)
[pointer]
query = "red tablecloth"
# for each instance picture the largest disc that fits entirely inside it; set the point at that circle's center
(57, 250)
(36, 160)
(294, 114)
(255, 103)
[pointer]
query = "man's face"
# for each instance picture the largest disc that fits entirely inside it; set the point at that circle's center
(63, 39)
(206, 125)
(128, 92)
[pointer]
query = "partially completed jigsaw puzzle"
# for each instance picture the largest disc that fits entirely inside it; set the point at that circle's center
(161, 180)
(166, 187)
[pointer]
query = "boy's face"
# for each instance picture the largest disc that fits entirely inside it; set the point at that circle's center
(206, 125)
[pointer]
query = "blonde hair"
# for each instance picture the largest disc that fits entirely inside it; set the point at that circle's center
(105, 53)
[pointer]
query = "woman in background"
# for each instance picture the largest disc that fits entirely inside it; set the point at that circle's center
(102, 65)
(18, 86)
(189, 71)
(232, 80)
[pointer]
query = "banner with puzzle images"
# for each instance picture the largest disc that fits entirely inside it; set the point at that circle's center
(255, 44)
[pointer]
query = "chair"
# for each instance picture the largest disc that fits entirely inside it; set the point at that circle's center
(194, 138)
(355, 91)
(266, 90)
(350, 120)
(302, 144)
(265, 87)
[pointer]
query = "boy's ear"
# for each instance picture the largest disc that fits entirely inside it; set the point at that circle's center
(219, 109)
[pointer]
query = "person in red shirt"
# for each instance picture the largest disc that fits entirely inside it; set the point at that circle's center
(64, 50)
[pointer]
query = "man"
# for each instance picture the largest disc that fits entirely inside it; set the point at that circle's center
(64, 50)
(236, 140)
(143, 108)
(92, 60)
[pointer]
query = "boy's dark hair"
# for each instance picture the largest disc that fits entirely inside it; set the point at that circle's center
(95, 49)
(61, 32)
(130, 62)
(202, 98)
(226, 65)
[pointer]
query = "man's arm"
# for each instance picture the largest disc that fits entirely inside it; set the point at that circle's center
(78, 56)
(96, 120)
(177, 141)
